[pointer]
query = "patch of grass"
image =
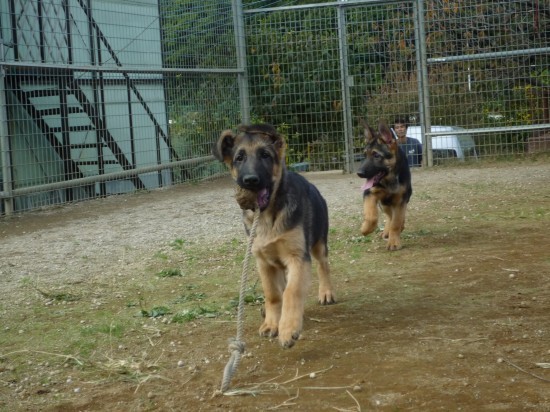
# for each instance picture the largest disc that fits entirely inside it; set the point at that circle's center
(191, 287)
(156, 312)
(251, 297)
(423, 196)
(188, 315)
(178, 244)
(169, 273)
(161, 256)
(112, 329)
(233, 249)
(191, 297)
(359, 239)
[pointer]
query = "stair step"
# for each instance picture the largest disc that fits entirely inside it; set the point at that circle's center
(86, 146)
(94, 162)
(41, 93)
(56, 111)
(74, 129)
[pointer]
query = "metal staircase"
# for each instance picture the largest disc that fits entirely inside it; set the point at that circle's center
(55, 100)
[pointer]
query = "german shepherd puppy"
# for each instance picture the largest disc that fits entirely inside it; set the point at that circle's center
(292, 226)
(388, 183)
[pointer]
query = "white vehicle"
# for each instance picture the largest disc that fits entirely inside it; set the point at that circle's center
(458, 146)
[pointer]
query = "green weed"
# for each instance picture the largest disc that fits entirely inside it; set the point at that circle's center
(188, 315)
(169, 273)
(178, 244)
(191, 297)
(161, 256)
(156, 312)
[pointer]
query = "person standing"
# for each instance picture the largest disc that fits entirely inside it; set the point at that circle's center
(411, 146)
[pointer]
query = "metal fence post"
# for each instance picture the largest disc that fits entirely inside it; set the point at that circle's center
(240, 44)
(345, 82)
(7, 182)
(423, 85)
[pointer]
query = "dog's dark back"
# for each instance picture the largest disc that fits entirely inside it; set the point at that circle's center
(304, 205)
(404, 173)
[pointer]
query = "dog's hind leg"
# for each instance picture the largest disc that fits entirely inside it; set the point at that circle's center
(388, 211)
(326, 294)
(396, 226)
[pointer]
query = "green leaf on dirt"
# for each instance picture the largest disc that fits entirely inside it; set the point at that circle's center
(189, 315)
(156, 312)
(169, 273)
(177, 244)
(191, 297)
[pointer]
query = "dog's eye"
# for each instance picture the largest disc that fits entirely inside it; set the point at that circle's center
(239, 157)
(376, 155)
(265, 154)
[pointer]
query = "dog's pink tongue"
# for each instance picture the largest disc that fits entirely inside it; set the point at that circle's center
(263, 198)
(368, 184)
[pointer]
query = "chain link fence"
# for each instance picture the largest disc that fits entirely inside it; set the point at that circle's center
(472, 78)
(105, 97)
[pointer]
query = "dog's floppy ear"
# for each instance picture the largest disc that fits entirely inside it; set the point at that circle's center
(385, 133)
(222, 150)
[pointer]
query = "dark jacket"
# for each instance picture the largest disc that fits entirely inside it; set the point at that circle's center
(413, 150)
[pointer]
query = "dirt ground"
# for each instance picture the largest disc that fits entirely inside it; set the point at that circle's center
(459, 319)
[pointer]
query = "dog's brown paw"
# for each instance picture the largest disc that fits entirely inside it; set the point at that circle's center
(289, 331)
(326, 297)
(368, 226)
(394, 246)
(289, 341)
(268, 331)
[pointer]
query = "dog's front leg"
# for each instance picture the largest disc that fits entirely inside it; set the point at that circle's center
(370, 214)
(273, 284)
(294, 296)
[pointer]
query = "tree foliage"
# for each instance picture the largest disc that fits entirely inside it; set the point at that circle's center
(295, 77)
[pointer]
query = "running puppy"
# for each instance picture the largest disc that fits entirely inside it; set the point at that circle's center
(388, 183)
(292, 227)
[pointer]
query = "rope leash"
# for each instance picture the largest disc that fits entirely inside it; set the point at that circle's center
(236, 345)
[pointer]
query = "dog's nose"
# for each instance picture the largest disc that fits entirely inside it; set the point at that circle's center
(251, 180)
(361, 174)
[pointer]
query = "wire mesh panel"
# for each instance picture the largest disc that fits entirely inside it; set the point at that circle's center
(471, 78)
(200, 106)
(295, 83)
(110, 97)
(488, 68)
(315, 71)
(383, 65)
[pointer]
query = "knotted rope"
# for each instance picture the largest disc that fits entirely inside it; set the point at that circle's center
(236, 345)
